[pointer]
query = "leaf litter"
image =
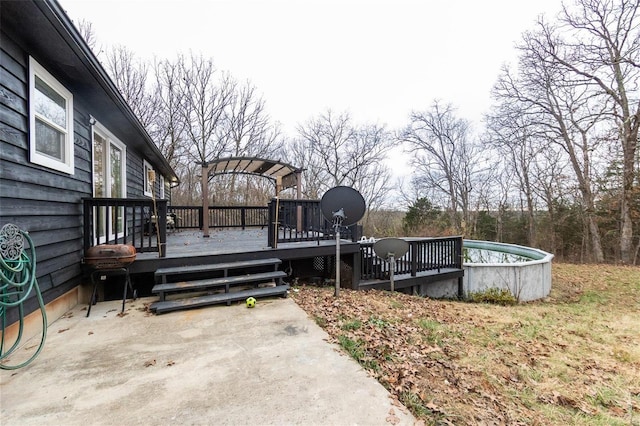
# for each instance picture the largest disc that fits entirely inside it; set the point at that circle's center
(561, 360)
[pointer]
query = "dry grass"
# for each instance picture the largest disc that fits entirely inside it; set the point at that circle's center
(571, 359)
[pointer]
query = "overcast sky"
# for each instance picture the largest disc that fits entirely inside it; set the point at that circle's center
(377, 60)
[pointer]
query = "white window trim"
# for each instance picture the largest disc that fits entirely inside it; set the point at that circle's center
(111, 139)
(96, 127)
(35, 69)
(162, 193)
(146, 167)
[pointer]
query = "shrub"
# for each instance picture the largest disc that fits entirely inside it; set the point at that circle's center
(495, 296)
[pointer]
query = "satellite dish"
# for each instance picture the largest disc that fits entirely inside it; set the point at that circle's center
(391, 249)
(344, 204)
(387, 247)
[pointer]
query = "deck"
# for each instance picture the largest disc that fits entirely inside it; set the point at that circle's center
(189, 247)
(304, 242)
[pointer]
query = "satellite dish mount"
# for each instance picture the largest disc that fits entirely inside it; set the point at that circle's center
(391, 249)
(342, 206)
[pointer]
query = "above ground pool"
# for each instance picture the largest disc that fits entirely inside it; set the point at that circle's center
(524, 271)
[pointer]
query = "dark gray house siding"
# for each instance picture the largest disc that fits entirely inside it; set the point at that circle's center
(42, 201)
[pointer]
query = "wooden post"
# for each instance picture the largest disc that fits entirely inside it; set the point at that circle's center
(276, 224)
(299, 197)
(205, 200)
(161, 221)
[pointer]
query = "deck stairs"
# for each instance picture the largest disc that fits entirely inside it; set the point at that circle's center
(186, 287)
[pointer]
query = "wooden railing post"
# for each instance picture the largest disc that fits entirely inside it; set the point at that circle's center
(162, 227)
(414, 257)
(458, 251)
(270, 219)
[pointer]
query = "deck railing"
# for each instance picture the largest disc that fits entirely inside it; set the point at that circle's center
(133, 221)
(297, 220)
(191, 217)
(302, 220)
(425, 254)
(126, 221)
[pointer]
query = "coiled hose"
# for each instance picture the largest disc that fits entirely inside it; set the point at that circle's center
(17, 280)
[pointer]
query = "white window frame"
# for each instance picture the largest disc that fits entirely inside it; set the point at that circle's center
(112, 140)
(161, 195)
(36, 157)
(146, 167)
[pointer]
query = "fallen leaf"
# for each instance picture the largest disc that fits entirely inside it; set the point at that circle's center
(150, 363)
(63, 330)
(392, 418)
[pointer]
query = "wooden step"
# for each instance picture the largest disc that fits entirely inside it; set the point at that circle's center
(213, 299)
(163, 289)
(196, 269)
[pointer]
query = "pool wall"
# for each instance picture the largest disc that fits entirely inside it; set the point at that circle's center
(527, 280)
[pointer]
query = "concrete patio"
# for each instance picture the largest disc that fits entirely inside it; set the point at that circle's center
(224, 365)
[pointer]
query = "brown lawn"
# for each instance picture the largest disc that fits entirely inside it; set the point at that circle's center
(573, 358)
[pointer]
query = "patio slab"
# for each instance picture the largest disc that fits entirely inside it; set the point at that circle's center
(223, 365)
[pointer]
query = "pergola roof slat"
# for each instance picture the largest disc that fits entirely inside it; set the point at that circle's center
(271, 169)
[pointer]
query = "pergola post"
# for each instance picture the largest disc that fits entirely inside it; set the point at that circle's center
(276, 223)
(205, 200)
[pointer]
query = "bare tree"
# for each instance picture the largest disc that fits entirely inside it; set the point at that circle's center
(515, 139)
(249, 126)
(204, 101)
(340, 153)
(85, 28)
(563, 109)
(445, 160)
(168, 129)
(312, 171)
(250, 133)
(552, 186)
(330, 138)
(130, 76)
(600, 44)
(370, 175)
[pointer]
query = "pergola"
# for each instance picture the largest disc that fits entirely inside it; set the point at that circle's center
(282, 174)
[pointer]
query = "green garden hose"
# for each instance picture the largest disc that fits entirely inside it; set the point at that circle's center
(17, 280)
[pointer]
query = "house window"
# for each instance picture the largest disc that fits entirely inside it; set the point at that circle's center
(50, 121)
(149, 178)
(109, 179)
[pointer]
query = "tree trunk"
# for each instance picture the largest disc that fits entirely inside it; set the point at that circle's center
(596, 249)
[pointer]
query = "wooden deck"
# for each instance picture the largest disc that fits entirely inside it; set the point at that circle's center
(304, 243)
(189, 247)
